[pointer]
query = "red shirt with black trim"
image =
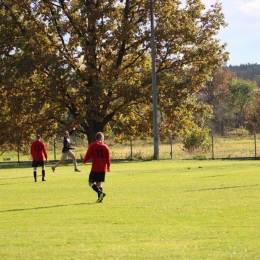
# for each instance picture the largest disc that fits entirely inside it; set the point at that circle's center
(38, 151)
(100, 156)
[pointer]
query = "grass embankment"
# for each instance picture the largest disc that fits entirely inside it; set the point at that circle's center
(153, 210)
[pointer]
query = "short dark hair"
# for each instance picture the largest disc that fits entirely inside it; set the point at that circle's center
(99, 135)
(38, 137)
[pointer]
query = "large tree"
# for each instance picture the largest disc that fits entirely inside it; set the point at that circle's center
(216, 94)
(87, 63)
(252, 118)
(242, 95)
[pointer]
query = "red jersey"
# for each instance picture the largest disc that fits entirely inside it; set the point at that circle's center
(100, 155)
(38, 150)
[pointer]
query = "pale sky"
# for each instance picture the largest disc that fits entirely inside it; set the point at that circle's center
(243, 31)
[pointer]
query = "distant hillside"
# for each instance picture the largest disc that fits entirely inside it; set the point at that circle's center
(247, 71)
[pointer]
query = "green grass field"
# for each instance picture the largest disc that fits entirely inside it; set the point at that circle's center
(153, 210)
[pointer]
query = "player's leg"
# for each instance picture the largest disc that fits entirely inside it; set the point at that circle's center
(34, 165)
(35, 173)
(99, 185)
(43, 172)
(92, 180)
(63, 157)
(95, 187)
(100, 177)
(101, 195)
(73, 157)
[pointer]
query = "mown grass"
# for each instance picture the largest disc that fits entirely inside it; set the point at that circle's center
(153, 210)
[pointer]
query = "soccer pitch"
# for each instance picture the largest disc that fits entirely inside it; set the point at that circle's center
(153, 210)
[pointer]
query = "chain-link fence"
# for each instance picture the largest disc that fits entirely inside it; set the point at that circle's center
(247, 147)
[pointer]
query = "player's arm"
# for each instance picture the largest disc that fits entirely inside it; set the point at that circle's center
(108, 160)
(45, 152)
(87, 155)
(72, 131)
(32, 150)
(65, 142)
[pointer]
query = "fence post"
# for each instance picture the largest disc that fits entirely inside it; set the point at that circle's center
(131, 149)
(212, 141)
(171, 146)
(255, 144)
(18, 151)
(54, 149)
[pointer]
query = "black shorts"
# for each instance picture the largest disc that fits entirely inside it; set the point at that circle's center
(37, 163)
(97, 177)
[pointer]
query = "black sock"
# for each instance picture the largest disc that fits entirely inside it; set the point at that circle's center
(35, 175)
(95, 188)
(43, 174)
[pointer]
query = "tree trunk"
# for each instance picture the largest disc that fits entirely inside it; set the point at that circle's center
(92, 128)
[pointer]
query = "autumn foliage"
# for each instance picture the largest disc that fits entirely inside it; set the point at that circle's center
(88, 64)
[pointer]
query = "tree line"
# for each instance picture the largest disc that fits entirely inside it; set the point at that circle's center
(233, 100)
(247, 72)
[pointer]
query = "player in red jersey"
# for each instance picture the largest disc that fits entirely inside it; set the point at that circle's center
(38, 152)
(100, 156)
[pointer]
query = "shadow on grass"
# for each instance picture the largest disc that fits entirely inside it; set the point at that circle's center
(228, 187)
(16, 178)
(47, 207)
(15, 165)
(27, 164)
(213, 176)
(23, 177)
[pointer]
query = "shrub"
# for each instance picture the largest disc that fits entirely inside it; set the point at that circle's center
(197, 141)
(237, 133)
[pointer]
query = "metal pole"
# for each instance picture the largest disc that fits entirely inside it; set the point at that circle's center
(18, 151)
(255, 143)
(171, 146)
(154, 87)
(131, 149)
(54, 149)
(212, 141)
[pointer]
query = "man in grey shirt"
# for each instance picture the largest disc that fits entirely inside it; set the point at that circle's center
(66, 152)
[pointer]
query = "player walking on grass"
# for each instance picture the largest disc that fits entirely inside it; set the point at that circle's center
(38, 152)
(66, 152)
(100, 156)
